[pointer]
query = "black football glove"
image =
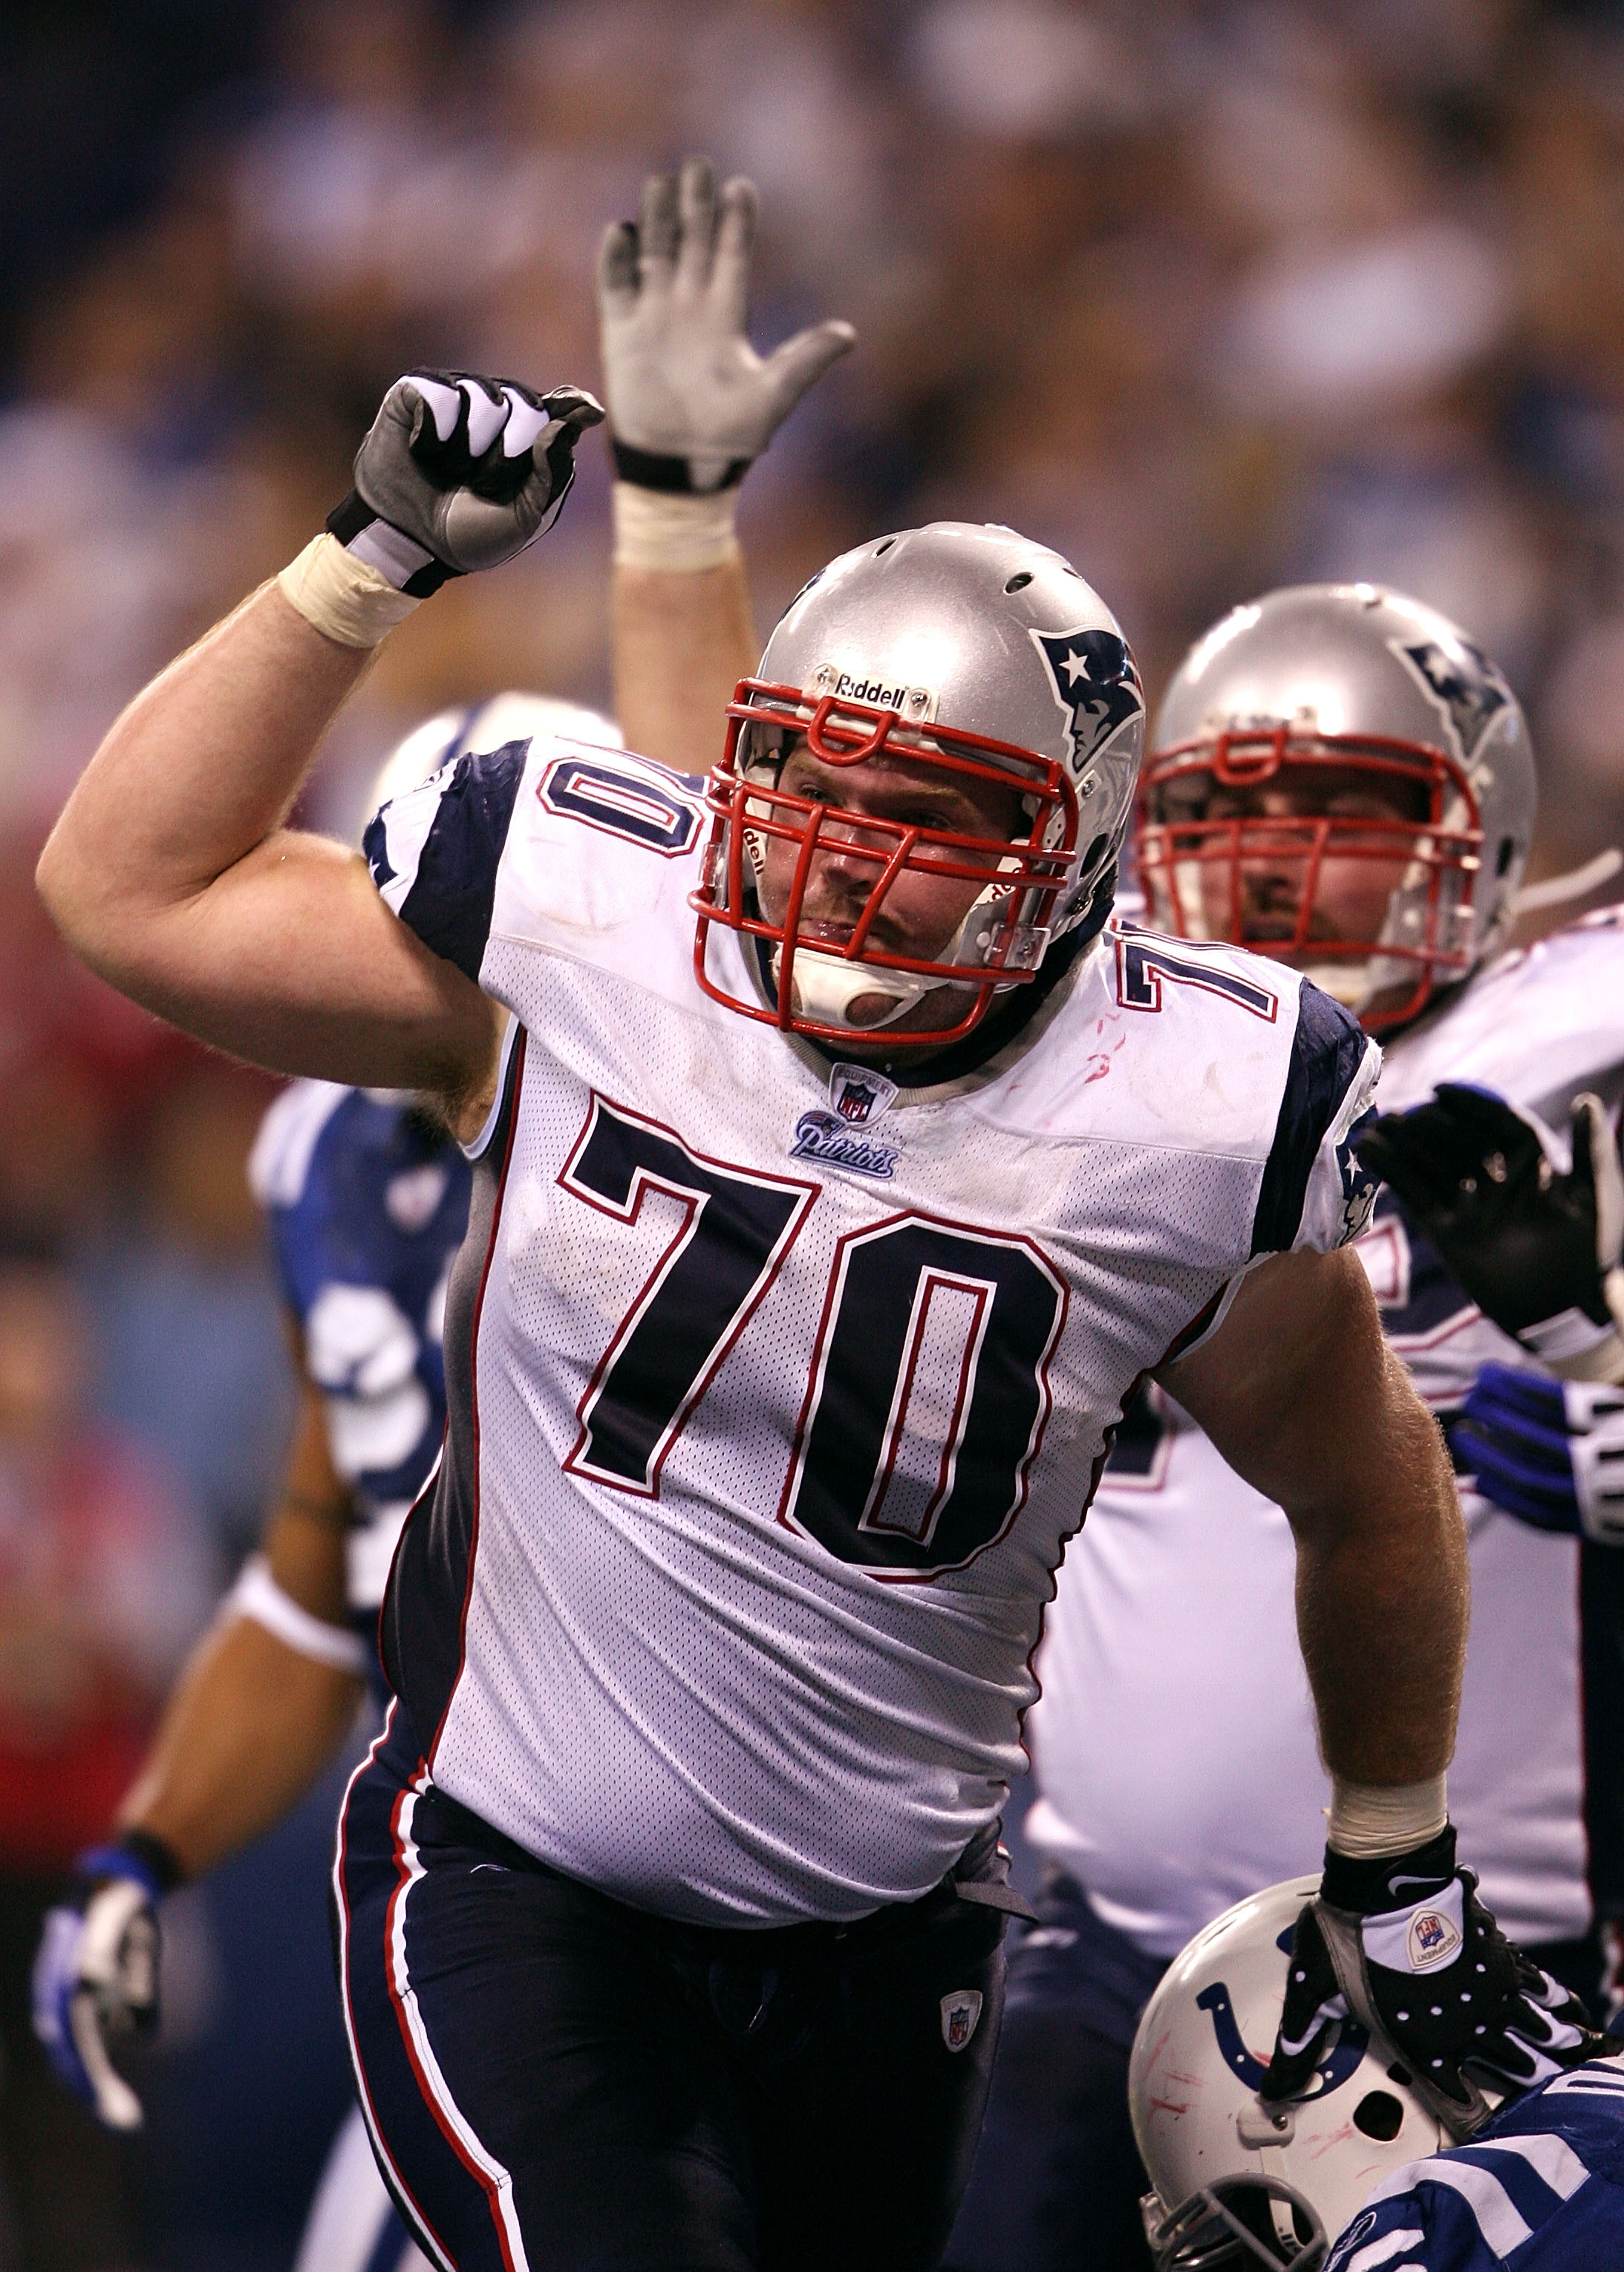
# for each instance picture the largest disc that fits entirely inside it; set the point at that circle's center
(1405, 1947)
(459, 473)
(1538, 1251)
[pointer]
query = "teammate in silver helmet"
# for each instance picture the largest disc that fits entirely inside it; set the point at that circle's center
(1340, 777)
(670, 1905)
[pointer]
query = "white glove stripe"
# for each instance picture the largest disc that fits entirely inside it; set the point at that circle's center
(524, 423)
(486, 418)
(117, 2103)
(109, 1916)
(445, 402)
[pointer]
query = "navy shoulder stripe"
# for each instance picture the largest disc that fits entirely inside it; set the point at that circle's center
(443, 867)
(1328, 1049)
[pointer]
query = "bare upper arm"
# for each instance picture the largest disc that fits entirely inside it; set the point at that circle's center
(170, 872)
(292, 959)
(1290, 1385)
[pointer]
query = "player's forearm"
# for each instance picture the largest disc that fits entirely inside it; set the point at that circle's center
(249, 1730)
(683, 639)
(198, 770)
(1382, 1594)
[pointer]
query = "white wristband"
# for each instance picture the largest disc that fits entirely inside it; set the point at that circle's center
(1370, 1821)
(343, 598)
(661, 528)
(256, 1596)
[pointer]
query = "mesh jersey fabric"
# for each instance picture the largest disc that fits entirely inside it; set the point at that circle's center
(767, 1430)
(1173, 1688)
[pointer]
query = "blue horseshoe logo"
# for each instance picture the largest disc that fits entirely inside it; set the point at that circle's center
(1341, 2065)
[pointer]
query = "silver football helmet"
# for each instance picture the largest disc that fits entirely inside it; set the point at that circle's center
(1237, 2182)
(974, 652)
(1327, 724)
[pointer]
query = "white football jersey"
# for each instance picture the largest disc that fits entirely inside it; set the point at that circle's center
(775, 1390)
(1174, 1742)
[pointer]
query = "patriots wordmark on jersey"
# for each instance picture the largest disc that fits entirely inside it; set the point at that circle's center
(773, 1404)
(367, 1200)
(1541, 2189)
(1181, 1587)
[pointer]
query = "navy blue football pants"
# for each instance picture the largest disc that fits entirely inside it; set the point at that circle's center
(1057, 2178)
(553, 2079)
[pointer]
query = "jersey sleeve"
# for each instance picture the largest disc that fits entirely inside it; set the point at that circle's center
(434, 853)
(1314, 1191)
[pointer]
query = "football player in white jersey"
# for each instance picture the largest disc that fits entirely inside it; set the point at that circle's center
(367, 1203)
(838, 1170)
(1343, 778)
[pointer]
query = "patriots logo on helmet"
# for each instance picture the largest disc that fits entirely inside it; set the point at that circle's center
(1095, 684)
(1465, 688)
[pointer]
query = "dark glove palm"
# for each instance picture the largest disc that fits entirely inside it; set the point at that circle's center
(1521, 1239)
(1405, 1946)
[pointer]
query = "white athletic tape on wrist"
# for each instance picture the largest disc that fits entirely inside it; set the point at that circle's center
(346, 599)
(658, 529)
(256, 1596)
(1368, 1821)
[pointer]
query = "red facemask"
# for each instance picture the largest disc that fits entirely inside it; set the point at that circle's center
(750, 811)
(1256, 879)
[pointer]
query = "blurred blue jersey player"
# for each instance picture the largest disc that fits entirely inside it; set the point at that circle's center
(366, 1200)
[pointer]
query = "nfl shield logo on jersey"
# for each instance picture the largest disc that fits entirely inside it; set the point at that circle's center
(960, 2013)
(858, 1094)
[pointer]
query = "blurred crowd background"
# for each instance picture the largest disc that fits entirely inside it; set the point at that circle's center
(1211, 296)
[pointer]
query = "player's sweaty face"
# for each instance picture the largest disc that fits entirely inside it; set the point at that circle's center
(1354, 884)
(920, 912)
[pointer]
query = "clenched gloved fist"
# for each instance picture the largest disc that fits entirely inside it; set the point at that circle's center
(1405, 1947)
(1549, 1452)
(1538, 1251)
(95, 1978)
(459, 473)
(690, 403)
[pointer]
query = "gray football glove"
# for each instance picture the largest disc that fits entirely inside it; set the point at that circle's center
(690, 403)
(459, 473)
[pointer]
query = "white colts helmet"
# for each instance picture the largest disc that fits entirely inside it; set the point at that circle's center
(970, 650)
(1237, 2183)
(1337, 723)
(483, 726)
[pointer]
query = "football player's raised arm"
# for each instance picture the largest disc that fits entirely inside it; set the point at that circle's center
(1302, 1397)
(691, 406)
(171, 871)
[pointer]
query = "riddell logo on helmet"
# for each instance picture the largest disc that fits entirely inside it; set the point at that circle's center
(914, 702)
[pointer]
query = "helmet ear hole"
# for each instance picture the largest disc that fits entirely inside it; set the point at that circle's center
(1379, 2115)
(1507, 852)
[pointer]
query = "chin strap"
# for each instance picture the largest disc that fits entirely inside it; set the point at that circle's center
(826, 985)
